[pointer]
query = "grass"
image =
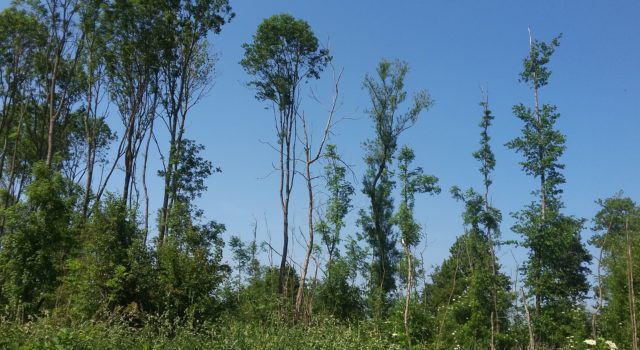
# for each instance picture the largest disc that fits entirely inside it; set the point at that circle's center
(158, 333)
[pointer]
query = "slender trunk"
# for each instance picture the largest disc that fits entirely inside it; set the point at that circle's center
(446, 309)
(543, 199)
(5, 123)
(600, 288)
(14, 157)
(102, 185)
(91, 156)
(493, 333)
(632, 298)
(532, 343)
(164, 211)
(144, 185)
(128, 171)
(169, 171)
(128, 158)
(90, 130)
(307, 257)
(495, 323)
(3, 156)
(407, 301)
(52, 110)
(286, 174)
(313, 290)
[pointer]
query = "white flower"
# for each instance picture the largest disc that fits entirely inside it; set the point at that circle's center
(590, 342)
(612, 345)
(394, 334)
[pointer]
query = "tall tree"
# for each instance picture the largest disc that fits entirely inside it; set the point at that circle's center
(555, 269)
(618, 230)
(95, 130)
(190, 264)
(336, 295)
(186, 71)
(313, 154)
(132, 61)
(480, 294)
(387, 93)
(60, 16)
(490, 217)
(338, 203)
(284, 54)
(22, 36)
(412, 181)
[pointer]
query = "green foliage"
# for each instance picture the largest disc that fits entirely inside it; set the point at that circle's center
(461, 296)
(37, 239)
(386, 93)
(162, 333)
(283, 53)
(485, 155)
(555, 272)
(412, 181)
(617, 227)
(259, 301)
(189, 267)
(80, 275)
(535, 72)
(540, 144)
(338, 204)
(112, 263)
(337, 296)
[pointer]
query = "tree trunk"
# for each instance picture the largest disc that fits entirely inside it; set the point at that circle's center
(408, 292)
(53, 116)
(632, 298)
(91, 156)
(532, 343)
(307, 257)
(144, 185)
(286, 185)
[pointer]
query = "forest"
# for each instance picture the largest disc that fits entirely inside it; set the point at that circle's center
(104, 242)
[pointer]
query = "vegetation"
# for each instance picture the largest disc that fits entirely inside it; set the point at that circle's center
(83, 266)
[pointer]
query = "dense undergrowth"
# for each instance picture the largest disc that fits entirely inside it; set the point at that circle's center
(159, 333)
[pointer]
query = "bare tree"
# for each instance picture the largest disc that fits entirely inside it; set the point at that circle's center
(311, 157)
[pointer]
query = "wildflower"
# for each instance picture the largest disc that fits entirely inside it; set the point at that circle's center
(612, 345)
(394, 334)
(590, 342)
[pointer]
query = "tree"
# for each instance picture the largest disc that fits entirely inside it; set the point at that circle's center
(387, 93)
(412, 181)
(336, 295)
(186, 71)
(555, 271)
(96, 133)
(132, 61)
(284, 53)
(60, 60)
(478, 294)
(22, 37)
(38, 238)
(311, 156)
(338, 204)
(618, 227)
(189, 263)
(490, 218)
(110, 261)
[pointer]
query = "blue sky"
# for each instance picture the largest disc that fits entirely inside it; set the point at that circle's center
(453, 48)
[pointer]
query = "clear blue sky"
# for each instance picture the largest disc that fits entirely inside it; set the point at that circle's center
(452, 47)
